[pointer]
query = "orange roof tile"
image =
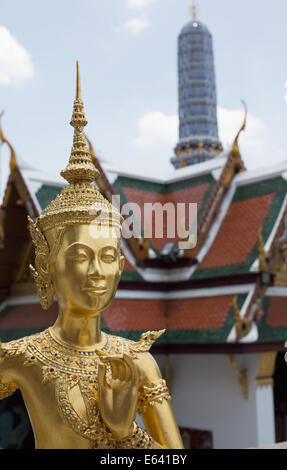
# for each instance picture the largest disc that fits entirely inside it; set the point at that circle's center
(29, 316)
(277, 312)
(135, 315)
(205, 313)
(188, 195)
(128, 266)
(202, 313)
(239, 229)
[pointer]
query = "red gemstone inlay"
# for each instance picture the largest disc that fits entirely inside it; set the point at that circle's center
(74, 377)
(33, 357)
(52, 370)
(108, 430)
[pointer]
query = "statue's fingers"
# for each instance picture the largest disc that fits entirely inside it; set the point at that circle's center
(132, 370)
(111, 361)
(114, 370)
(118, 364)
(128, 373)
(102, 375)
(122, 367)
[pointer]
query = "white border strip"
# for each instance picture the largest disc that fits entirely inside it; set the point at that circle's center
(137, 294)
(20, 300)
(185, 294)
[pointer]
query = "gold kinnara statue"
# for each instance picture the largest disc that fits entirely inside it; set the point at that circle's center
(82, 387)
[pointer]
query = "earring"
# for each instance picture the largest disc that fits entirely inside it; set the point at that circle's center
(45, 289)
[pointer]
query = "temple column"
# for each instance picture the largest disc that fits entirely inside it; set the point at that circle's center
(264, 399)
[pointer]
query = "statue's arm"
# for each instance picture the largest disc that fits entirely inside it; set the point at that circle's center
(155, 408)
(7, 384)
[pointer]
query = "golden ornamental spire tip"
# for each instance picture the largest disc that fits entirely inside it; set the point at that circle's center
(79, 88)
(193, 10)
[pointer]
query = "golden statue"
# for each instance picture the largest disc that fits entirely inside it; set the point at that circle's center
(82, 387)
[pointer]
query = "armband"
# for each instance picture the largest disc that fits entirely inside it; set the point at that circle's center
(152, 395)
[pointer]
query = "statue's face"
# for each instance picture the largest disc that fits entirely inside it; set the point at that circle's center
(87, 268)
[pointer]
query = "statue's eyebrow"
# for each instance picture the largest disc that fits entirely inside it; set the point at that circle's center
(79, 245)
(109, 247)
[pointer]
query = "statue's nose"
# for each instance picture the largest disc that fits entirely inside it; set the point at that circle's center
(94, 270)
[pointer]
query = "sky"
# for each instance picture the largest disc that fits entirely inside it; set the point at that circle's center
(127, 51)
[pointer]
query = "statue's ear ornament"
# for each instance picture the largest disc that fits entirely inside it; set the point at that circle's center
(45, 288)
(39, 240)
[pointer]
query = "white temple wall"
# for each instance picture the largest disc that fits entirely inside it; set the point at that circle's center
(207, 396)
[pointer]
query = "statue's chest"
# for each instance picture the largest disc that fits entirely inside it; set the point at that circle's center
(71, 377)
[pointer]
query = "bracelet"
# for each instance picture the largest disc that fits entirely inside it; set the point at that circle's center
(140, 439)
(152, 395)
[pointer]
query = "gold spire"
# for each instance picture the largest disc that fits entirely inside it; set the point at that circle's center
(79, 88)
(193, 10)
(80, 167)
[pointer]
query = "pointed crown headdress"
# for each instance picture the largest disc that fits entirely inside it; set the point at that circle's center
(79, 202)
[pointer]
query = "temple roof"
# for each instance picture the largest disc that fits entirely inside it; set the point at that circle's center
(197, 320)
(195, 302)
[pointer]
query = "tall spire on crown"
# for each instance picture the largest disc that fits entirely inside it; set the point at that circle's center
(80, 168)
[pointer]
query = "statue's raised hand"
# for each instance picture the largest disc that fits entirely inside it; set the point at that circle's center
(119, 396)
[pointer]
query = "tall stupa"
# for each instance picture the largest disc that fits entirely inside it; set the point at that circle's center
(198, 129)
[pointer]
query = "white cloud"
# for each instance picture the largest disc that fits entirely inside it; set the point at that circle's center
(135, 25)
(15, 62)
(255, 145)
(158, 134)
(230, 121)
(156, 128)
(139, 3)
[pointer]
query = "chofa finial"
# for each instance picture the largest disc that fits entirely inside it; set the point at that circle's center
(193, 10)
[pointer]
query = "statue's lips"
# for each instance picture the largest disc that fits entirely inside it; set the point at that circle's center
(100, 290)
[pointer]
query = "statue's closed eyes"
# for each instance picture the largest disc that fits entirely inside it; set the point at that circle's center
(83, 388)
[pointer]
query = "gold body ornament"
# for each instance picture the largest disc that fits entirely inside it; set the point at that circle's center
(82, 387)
